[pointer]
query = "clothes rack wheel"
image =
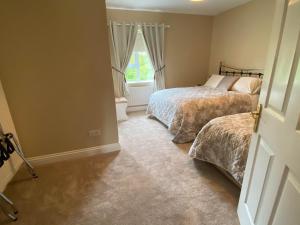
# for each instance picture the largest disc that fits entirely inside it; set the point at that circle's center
(10, 211)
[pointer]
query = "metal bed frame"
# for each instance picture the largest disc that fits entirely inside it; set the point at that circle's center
(233, 71)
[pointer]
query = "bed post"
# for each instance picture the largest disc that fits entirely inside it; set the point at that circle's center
(220, 68)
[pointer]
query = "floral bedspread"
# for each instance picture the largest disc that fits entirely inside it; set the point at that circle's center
(186, 110)
(225, 142)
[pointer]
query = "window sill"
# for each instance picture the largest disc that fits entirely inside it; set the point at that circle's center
(140, 83)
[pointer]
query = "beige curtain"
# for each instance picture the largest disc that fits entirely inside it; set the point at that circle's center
(122, 40)
(154, 35)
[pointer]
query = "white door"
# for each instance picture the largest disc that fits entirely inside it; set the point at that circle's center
(271, 190)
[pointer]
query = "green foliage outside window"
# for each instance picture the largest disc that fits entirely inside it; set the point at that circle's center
(139, 68)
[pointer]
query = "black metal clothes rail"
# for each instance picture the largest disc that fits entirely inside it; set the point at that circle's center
(9, 145)
(9, 210)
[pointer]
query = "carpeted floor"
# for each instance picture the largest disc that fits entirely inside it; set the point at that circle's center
(151, 181)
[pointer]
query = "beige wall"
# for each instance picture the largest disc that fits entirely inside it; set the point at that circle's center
(187, 43)
(241, 35)
(55, 70)
(11, 166)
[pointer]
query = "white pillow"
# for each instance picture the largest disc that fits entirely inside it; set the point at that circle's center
(214, 81)
(249, 85)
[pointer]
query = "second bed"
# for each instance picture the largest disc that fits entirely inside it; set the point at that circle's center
(224, 142)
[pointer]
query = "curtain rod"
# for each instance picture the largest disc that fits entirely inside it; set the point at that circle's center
(129, 24)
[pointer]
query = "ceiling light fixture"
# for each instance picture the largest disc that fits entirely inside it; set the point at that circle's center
(196, 0)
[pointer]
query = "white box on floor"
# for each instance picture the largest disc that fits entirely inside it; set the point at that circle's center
(121, 106)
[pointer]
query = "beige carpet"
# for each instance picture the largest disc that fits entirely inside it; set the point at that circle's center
(150, 182)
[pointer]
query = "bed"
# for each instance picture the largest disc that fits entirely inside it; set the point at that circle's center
(186, 110)
(224, 142)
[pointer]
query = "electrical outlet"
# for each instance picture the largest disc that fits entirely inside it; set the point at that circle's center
(95, 133)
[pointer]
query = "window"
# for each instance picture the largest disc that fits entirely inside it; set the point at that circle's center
(140, 68)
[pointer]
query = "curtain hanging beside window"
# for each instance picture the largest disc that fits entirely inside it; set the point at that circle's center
(154, 36)
(122, 39)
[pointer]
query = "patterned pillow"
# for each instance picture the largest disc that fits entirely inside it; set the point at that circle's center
(227, 83)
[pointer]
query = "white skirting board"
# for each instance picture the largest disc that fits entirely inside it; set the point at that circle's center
(75, 154)
(137, 108)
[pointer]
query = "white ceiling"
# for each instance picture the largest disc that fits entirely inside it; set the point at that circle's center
(206, 7)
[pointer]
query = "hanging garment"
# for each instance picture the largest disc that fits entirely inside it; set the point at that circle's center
(4, 155)
(9, 145)
(6, 148)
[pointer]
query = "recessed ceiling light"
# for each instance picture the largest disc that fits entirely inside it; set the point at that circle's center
(196, 0)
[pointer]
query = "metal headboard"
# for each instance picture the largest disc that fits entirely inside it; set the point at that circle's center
(233, 71)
